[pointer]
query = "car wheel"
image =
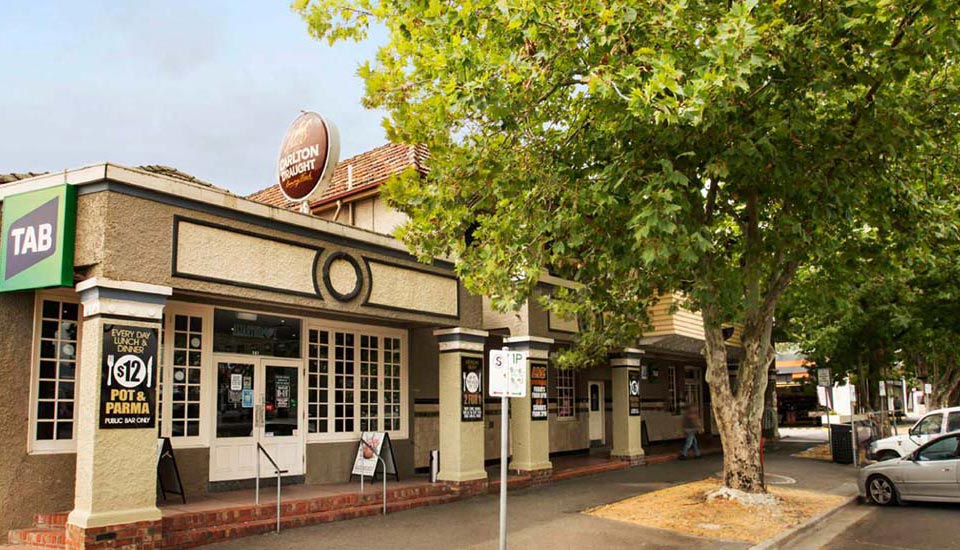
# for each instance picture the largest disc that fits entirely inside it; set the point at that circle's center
(881, 491)
(887, 455)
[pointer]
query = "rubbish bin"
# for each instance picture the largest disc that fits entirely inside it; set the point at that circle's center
(842, 444)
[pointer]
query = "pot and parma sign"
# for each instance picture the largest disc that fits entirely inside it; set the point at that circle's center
(128, 381)
(308, 157)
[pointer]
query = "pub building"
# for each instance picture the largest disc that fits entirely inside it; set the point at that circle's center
(141, 303)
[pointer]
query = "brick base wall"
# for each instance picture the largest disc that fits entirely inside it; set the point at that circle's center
(468, 488)
(144, 535)
(538, 477)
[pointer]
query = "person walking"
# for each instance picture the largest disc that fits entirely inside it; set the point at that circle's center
(691, 425)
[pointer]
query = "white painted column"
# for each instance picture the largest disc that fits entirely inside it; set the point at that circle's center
(116, 468)
(627, 428)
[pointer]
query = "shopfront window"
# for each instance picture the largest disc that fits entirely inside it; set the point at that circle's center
(566, 393)
(247, 333)
(354, 382)
(187, 362)
(55, 368)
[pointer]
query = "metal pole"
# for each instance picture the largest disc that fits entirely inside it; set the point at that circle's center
(278, 501)
(258, 476)
(384, 484)
(504, 420)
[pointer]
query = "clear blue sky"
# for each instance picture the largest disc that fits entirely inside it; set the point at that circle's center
(208, 87)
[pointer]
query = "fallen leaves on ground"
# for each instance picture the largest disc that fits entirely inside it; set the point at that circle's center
(817, 452)
(684, 508)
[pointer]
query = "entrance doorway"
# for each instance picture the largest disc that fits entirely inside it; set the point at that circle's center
(596, 413)
(258, 401)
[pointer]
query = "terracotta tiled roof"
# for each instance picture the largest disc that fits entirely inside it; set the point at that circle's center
(10, 178)
(357, 174)
(158, 169)
(171, 172)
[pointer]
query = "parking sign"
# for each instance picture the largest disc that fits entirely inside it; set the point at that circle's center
(508, 373)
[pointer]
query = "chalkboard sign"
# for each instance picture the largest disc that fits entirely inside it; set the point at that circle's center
(633, 378)
(471, 389)
(539, 402)
(128, 382)
(168, 475)
(366, 464)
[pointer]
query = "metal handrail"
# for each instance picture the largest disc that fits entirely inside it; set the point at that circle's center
(382, 461)
(276, 470)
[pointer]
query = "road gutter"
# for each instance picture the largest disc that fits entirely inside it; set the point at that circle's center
(804, 528)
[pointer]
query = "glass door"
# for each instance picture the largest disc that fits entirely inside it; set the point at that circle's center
(280, 431)
(258, 401)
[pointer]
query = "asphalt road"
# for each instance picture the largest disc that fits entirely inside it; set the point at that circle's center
(549, 517)
(918, 526)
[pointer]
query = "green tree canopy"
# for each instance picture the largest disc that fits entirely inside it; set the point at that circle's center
(644, 148)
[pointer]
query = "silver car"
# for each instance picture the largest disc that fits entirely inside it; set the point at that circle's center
(930, 473)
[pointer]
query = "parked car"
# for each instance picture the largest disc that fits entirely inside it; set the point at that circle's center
(933, 424)
(930, 473)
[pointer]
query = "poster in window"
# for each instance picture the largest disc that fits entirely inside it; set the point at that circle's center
(282, 386)
(128, 390)
(633, 378)
(538, 392)
(471, 389)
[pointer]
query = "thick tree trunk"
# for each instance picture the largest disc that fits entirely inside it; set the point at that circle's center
(739, 413)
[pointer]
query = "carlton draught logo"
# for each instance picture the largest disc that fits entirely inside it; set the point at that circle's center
(32, 238)
(308, 157)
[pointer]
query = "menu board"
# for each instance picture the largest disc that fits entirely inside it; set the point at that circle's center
(471, 389)
(128, 385)
(633, 376)
(539, 403)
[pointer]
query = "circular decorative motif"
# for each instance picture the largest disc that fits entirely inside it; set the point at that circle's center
(473, 382)
(342, 276)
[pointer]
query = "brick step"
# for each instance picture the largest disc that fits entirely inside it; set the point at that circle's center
(206, 535)
(58, 519)
(514, 483)
(295, 508)
(589, 470)
(39, 537)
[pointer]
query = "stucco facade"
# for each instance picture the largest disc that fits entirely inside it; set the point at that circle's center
(250, 297)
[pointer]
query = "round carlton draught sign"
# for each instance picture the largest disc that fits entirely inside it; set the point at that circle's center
(308, 156)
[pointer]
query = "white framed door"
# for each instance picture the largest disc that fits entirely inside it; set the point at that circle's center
(258, 400)
(596, 411)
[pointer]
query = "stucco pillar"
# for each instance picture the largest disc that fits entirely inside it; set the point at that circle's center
(530, 436)
(627, 427)
(461, 440)
(116, 467)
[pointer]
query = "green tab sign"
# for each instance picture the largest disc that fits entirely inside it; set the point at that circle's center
(36, 246)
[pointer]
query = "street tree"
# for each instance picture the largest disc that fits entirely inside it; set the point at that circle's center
(886, 305)
(647, 148)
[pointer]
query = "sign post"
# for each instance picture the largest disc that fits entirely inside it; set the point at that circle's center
(508, 378)
(825, 381)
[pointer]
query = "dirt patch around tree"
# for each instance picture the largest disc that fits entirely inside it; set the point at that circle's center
(817, 452)
(685, 509)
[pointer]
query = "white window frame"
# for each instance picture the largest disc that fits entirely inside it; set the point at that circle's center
(43, 446)
(573, 393)
(207, 375)
(358, 330)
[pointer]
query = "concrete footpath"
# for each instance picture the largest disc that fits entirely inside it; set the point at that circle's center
(550, 517)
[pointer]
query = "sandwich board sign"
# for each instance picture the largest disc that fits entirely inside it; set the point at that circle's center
(508, 373)
(36, 243)
(366, 462)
